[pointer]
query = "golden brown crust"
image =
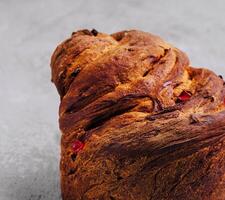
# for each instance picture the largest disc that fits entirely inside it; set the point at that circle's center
(121, 96)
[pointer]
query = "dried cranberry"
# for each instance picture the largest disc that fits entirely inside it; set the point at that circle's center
(184, 96)
(77, 146)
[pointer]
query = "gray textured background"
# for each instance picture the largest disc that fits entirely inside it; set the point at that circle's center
(29, 32)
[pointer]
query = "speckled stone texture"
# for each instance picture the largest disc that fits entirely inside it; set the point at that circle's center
(29, 32)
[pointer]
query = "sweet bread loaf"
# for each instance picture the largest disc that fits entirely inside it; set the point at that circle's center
(137, 121)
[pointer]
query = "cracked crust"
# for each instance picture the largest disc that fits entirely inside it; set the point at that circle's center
(119, 95)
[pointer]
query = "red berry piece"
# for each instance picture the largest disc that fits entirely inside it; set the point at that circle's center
(77, 146)
(184, 96)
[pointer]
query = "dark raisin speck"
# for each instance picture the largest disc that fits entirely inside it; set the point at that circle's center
(211, 98)
(220, 76)
(75, 72)
(73, 157)
(72, 171)
(94, 32)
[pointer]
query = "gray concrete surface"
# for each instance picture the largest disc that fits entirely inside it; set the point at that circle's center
(29, 32)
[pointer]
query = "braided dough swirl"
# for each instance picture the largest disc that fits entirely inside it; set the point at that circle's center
(152, 126)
